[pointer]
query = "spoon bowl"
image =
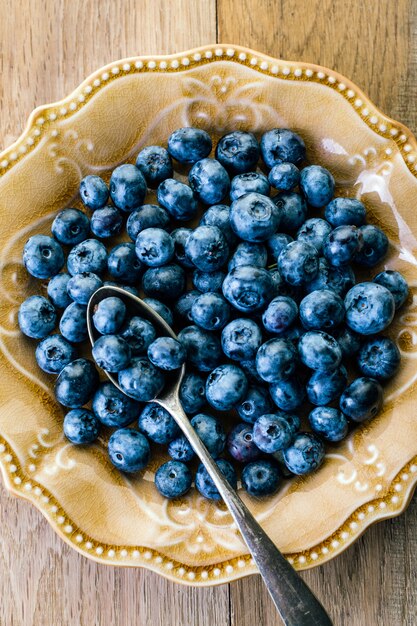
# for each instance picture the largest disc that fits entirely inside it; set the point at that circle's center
(294, 601)
(134, 306)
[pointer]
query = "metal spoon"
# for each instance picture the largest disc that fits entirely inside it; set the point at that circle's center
(295, 602)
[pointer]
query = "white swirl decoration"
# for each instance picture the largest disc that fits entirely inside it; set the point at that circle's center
(223, 104)
(354, 464)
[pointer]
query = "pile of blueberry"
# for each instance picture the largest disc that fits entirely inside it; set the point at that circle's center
(262, 294)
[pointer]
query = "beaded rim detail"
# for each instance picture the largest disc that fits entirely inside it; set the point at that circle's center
(42, 118)
(18, 481)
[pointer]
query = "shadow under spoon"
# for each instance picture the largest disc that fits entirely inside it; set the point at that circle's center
(294, 601)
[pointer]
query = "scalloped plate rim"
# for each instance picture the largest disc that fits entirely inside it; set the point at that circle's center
(249, 569)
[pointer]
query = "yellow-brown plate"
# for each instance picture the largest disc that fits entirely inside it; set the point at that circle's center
(116, 111)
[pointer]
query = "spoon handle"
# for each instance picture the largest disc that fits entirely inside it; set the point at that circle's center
(294, 601)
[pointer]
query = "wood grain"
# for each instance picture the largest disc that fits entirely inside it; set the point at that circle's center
(46, 48)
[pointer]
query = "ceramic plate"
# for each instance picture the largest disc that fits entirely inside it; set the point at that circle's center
(122, 520)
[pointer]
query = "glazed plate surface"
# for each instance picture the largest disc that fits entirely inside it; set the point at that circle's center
(122, 520)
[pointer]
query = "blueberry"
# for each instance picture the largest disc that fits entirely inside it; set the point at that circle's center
(154, 247)
(240, 444)
(344, 211)
(261, 478)
(249, 367)
(348, 340)
(241, 339)
(111, 353)
(314, 231)
(394, 282)
(280, 314)
(180, 450)
(57, 291)
(155, 164)
(375, 246)
(362, 400)
(272, 432)
(379, 357)
(206, 486)
(43, 257)
(293, 210)
(337, 279)
(248, 288)
(247, 183)
(113, 408)
(276, 358)
(173, 479)
(178, 199)
(81, 426)
(192, 392)
(141, 380)
(325, 387)
(248, 253)
(37, 317)
(298, 263)
(166, 282)
(127, 187)
(329, 423)
(53, 353)
(219, 215)
(322, 309)
(123, 264)
(167, 353)
(207, 248)
(179, 236)
(238, 151)
(146, 216)
(71, 226)
(284, 176)
(370, 308)
(210, 311)
(73, 323)
(343, 245)
(94, 192)
(109, 315)
(82, 286)
(129, 450)
(157, 424)
(281, 145)
(211, 433)
(188, 145)
(317, 184)
(277, 243)
(162, 309)
(254, 217)
(182, 307)
(256, 402)
(226, 386)
(319, 351)
(288, 394)
(305, 455)
(209, 181)
(76, 383)
(88, 256)
(208, 281)
(106, 222)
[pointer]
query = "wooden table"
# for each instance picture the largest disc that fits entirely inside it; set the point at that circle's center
(46, 48)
